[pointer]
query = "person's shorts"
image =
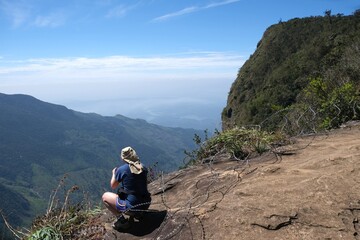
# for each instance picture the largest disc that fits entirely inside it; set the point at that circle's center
(122, 205)
(125, 205)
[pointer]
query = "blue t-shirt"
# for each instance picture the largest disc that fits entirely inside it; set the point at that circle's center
(135, 185)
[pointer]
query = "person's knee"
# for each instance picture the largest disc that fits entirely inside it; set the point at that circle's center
(105, 197)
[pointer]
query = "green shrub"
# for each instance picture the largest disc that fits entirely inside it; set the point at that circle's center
(46, 233)
(334, 103)
(238, 142)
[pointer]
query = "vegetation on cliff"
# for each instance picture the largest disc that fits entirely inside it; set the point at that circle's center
(298, 74)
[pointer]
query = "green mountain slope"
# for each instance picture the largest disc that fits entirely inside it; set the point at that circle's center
(40, 142)
(287, 57)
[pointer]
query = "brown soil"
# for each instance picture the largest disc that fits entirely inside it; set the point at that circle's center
(311, 194)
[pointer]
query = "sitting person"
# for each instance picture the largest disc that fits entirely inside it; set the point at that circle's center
(132, 194)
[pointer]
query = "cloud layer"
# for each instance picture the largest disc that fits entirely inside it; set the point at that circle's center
(132, 86)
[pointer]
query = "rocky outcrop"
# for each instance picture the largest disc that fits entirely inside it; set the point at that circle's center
(311, 194)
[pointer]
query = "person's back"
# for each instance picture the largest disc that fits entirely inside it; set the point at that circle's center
(133, 187)
(131, 178)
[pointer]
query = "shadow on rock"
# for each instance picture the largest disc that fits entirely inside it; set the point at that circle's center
(149, 222)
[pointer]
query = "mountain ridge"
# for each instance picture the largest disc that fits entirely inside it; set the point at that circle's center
(41, 142)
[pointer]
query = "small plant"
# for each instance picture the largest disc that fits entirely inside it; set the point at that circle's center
(238, 142)
(61, 221)
(153, 172)
(46, 233)
(241, 142)
(199, 152)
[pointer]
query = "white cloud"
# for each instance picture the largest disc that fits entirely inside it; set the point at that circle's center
(118, 11)
(123, 64)
(192, 9)
(23, 13)
(175, 14)
(121, 10)
(18, 12)
(217, 4)
(54, 19)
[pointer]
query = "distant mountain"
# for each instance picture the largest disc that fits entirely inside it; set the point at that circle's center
(40, 142)
(187, 115)
(287, 57)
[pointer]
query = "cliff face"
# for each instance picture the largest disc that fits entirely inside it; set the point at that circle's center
(312, 193)
(287, 56)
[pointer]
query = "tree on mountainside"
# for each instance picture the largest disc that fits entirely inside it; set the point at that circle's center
(328, 15)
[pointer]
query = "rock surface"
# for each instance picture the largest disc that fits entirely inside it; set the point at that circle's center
(311, 194)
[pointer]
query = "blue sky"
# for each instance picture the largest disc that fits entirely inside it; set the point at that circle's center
(160, 60)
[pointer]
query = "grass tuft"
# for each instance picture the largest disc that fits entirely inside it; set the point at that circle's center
(240, 143)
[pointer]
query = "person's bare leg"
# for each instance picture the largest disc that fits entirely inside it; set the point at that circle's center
(109, 200)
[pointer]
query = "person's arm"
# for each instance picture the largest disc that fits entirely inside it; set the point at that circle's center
(113, 182)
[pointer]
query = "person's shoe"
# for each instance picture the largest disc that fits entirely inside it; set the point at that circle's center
(121, 223)
(138, 215)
